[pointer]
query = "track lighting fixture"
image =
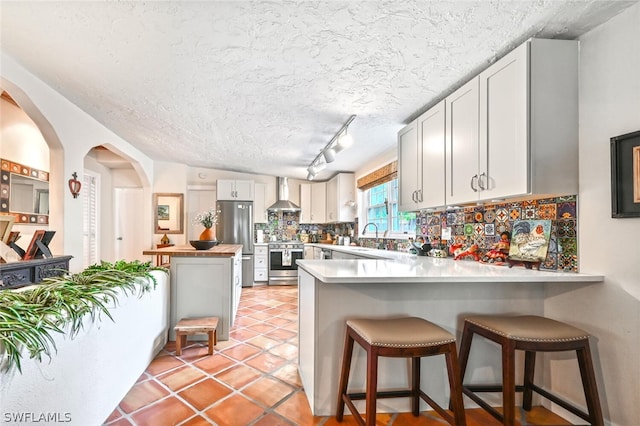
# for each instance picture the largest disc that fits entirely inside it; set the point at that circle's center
(338, 143)
(329, 155)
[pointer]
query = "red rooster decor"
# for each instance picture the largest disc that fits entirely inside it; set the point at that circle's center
(459, 251)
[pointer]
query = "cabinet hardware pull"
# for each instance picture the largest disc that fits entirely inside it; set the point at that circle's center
(480, 185)
(420, 199)
(475, 177)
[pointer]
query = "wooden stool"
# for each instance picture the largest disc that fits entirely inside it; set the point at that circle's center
(189, 326)
(530, 334)
(399, 338)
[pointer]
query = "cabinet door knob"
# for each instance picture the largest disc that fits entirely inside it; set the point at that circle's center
(473, 187)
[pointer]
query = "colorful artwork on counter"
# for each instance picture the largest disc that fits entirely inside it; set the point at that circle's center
(530, 240)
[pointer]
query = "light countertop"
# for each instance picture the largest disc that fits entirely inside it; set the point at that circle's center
(221, 250)
(390, 266)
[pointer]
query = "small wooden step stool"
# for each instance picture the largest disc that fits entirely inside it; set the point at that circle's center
(189, 326)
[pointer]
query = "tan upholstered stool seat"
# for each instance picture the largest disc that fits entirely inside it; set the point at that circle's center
(530, 328)
(189, 326)
(400, 332)
(531, 334)
(412, 338)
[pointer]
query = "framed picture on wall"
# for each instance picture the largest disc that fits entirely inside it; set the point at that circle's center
(163, 212)
(625, 175)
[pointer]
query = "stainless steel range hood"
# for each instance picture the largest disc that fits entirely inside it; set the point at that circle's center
(283, 204)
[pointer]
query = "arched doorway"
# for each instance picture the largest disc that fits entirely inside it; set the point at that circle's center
(66, 212)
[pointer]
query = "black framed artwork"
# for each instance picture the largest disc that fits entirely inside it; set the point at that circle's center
(625, 175)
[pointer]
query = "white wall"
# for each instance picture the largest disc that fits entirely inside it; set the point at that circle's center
(609, 106)
(90, 374)
(22, 142)
(20, 139)
(70, 134)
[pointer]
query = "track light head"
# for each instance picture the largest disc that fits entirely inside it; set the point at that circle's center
(329, 155)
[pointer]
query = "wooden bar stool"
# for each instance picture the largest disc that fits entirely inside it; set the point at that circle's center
(189, 326)
(399, 338)
(530, 334)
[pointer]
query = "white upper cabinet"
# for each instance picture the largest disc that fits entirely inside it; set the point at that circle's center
(504, 140)
(235, 190)
(313, 202)
(431, 135)
(408, 158)
(261, 201)
(513, 130)
(341, 198)
(462, 175)
(421, 161)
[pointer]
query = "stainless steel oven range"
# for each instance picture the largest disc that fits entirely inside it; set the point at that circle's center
(283, 269)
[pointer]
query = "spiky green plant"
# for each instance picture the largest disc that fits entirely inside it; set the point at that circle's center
(30, 318)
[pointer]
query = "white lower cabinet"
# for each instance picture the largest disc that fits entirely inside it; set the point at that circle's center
(205, 287)
(236, 290)
(317, 253)
(260, 263)
(338, 255)
(308, 252)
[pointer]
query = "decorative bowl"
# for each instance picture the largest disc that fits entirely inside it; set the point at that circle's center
(203, 244)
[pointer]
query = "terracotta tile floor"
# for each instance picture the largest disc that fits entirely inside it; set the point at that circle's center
(252, 379)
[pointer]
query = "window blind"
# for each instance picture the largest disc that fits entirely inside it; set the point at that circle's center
(382, 175)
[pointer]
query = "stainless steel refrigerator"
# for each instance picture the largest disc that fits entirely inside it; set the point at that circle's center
(235, 226)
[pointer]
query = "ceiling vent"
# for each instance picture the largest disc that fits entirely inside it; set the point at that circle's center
(283, 204)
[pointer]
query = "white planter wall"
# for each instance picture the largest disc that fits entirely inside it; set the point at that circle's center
(89, 375)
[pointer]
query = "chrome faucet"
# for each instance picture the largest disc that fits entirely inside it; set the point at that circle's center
(365, 228)
(379, 245)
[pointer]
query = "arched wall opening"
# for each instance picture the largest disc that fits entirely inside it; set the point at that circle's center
(69, 147)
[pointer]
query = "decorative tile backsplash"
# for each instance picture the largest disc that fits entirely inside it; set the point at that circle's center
(482, 225)
(286, 226)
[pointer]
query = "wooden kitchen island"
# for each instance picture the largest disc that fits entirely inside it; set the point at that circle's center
(443, 291)
(204, 283)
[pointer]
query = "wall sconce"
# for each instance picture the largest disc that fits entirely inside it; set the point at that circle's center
(74, 185)
(328, 154)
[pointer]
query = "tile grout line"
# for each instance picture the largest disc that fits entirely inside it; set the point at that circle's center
(247, 312)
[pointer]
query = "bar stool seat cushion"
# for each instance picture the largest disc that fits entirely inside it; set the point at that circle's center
(408, 332)
(529, 328)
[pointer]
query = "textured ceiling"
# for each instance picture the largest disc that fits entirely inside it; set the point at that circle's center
(263, 86)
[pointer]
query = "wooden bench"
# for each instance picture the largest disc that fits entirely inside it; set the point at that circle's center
(190, 326)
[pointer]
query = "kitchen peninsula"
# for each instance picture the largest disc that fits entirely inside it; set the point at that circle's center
(204, 283)
(388, 284)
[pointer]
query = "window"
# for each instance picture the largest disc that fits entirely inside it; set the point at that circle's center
(381, 208)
